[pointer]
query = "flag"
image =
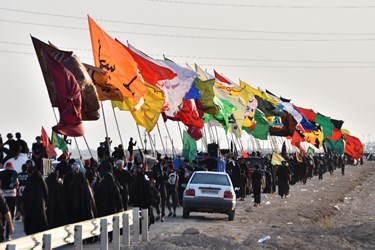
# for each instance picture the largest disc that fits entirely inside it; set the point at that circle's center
(178, 86)
(337, 123)
(299, 157)
(68, 100)
(58, 142)
(276, 159)
(311, 151)
(100, 78)
(201, 74)
(148, 115)
(296, 140)
(189, 148)
(336, 146)
(308, 113)
(207, 95)
(226, 109)
(151, 71)
(90, 101)
(224, 81)
(193, 92)
(353, 147)
(122, 70)
(46, 143)
(336, 134)
(261, 126)
(315, 138)
(300, 119)
(325, 122)
(238, 112)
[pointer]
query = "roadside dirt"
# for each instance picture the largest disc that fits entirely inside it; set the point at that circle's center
(335, 213)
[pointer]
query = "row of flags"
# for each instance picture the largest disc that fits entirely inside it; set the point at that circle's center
(148, 87)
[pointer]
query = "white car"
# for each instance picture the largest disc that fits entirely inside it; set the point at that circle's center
(210, 192)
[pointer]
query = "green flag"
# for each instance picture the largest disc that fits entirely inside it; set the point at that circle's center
(311, 151)
(336, 146)
(325, 122)
(225, 111)
(189, 148)
(261, 126)
(58, 142)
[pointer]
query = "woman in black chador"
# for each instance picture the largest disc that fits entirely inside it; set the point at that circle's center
(56, 209)
(283, 178)
(107, 196)
(35, 198)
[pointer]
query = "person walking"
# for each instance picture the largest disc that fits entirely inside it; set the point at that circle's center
(9, 184)
(257, 183)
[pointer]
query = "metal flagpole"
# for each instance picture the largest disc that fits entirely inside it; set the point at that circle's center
(140, 137)
(170, 139)
(161, 138)
(87, 145)
(179, 128)
(105, 127)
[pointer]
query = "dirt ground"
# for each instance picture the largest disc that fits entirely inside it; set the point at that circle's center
(335, 213)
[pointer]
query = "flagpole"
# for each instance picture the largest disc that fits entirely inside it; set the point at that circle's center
(170, 139)
(140, 137)
(179, 128)
(87, 145)
(217, 136)
(105, 127)
(118, 130)
(161, 138)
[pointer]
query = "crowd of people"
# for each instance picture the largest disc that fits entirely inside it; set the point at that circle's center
(79, 190)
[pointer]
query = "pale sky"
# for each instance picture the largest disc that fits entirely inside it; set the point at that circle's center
(318, 53)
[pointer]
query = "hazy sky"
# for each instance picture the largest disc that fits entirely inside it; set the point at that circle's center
(318, 53)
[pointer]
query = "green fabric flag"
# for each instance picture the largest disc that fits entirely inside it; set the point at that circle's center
(261, 126)
(336, 146)
(311, 151)
(325, 122)
(58, 142)
(226, 109)
(189, 147)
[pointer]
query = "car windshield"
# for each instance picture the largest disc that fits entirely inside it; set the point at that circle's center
(214, 179)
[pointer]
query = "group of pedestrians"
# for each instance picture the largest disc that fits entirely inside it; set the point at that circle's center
(76, 191)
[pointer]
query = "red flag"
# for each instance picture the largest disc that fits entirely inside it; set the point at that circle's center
(68, 100)
(336, 134)
(308, 113)
(224, 80)
(296, 140)
(151, 72)
(50, 151)
(353, 147)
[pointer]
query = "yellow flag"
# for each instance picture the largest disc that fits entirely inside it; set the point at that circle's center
(148, 114)
(276, 159)
(345, 131)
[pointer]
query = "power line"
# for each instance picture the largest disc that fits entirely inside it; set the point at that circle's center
(195, 28)
(267, 6)
(200, 37)
(241, 66)
(219, 58)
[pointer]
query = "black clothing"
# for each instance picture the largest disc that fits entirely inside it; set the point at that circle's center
(107, 196)
(35, 197)
(256, 178)
(57, 214)
(283, 175)
(4, 209)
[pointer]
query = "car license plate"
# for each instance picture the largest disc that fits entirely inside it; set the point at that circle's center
(207, 191)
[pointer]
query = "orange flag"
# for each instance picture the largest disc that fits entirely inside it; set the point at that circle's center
(50, 151)
(122, 70)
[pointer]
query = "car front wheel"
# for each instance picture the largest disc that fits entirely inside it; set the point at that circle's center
(185, 213)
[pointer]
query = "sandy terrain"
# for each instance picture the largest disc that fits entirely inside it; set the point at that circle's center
(336, 213)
